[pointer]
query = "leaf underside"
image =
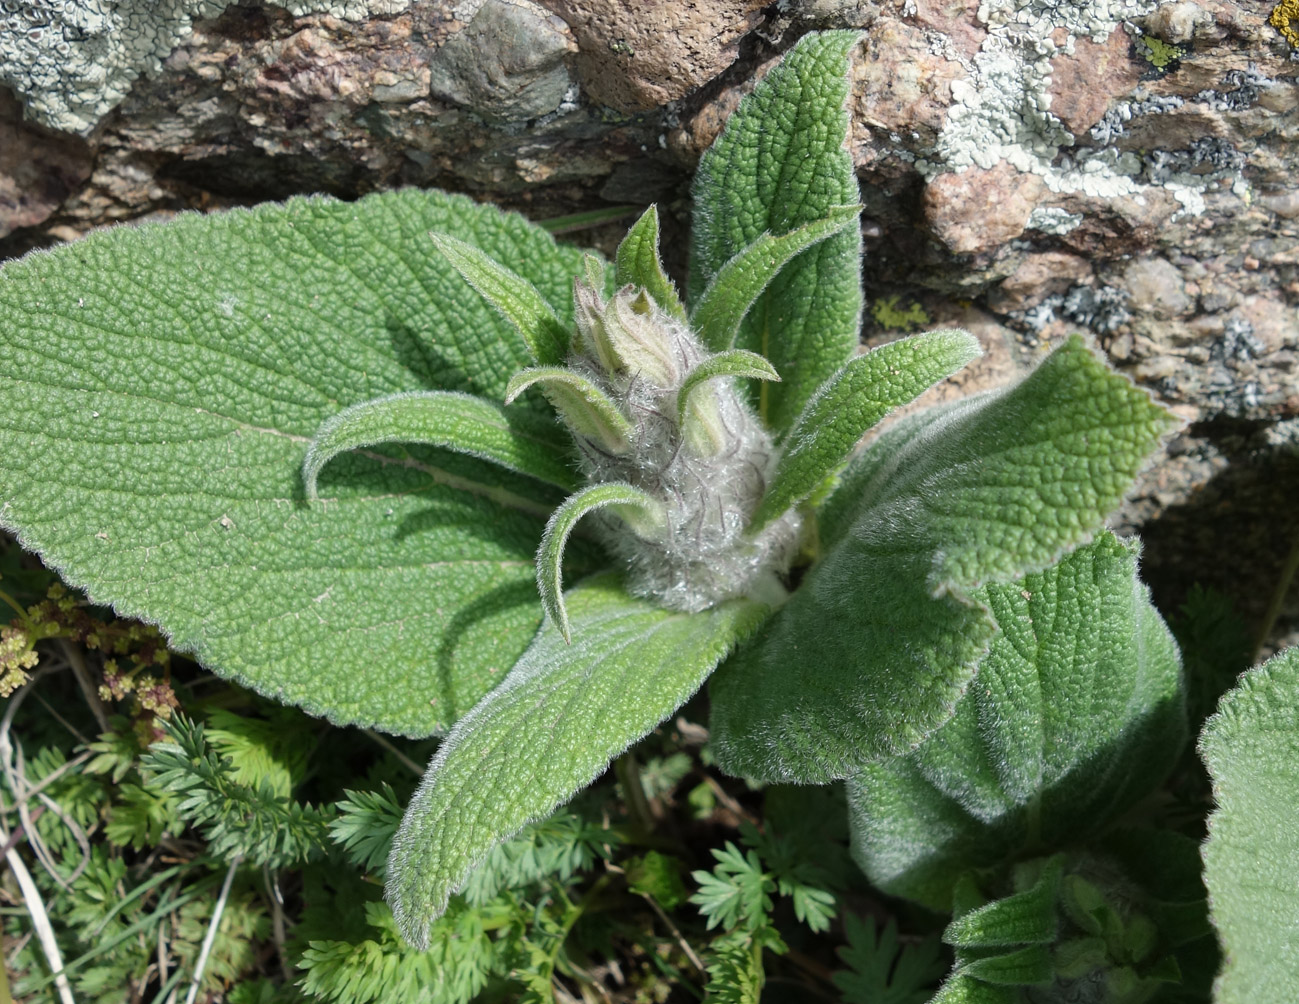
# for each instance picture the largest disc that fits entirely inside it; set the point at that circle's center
(519, 440)
(1075, 714)
(555, 723)
(161, 385)
(1251, 747)
(872, 653)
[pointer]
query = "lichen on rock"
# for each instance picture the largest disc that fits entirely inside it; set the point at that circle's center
(72, 61)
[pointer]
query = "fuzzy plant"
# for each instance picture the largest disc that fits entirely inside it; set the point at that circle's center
(337, 451)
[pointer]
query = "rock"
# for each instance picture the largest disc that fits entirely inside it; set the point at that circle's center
(1155, 286)
(976, 210)
(1038, 276)
(507, 64)
(72, 61)
(901, 87)
(1084, 82)
(38, 170)
(1177, 22)
(634, 57)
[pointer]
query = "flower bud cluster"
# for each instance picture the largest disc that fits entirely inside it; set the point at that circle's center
(708, 464)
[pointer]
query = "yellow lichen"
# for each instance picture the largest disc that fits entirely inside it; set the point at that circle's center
(1283, 19)
(889, 315)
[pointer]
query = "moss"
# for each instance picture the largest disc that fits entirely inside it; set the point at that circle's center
(887, 314)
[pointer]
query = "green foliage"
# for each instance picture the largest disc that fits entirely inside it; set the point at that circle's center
(381, 967)
(519, 441)
(883, 971)
(735, 971)
(1251, 747)
(853, 401)
(364, 827)
(637, 263)
(1069, 926)
(872, 653)
(1216, 648)
(1075, 714)
(547, 731)
(720, 309)
(758, 180)
(517, 299)
(188, 366)
(737, 892)
(256, 823)
(561, 847)
(626, 500)
(339, 460)
(736, 896)
(659, 876)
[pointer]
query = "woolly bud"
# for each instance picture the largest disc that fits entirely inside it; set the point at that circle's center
(625, 335)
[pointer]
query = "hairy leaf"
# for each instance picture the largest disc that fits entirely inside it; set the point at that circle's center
(552, 726)
(637, 263)
(961, 989)
(515, 297)
(1023, 918)
(585, 407)
(629, 502)
(872, 653)
(161, 387)
(1251, 747)
(731, 363)
(850, 403)
(722, 306)
(518, 440)
(1075, 714)
(782, 162)
(1026, 966)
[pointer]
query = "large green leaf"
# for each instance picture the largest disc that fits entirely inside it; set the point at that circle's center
(782, 162)
(159, 387)
(872, 653)
(1075, 714)
(1251, 747)
(850, 403)
(547, 732)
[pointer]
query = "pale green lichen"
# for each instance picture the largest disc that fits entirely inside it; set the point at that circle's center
(1158, 53)
(72, 61)
(1002, 110)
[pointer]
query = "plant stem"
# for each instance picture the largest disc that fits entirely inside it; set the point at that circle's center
(627, 770)
(88, 689)
(5, 996)
(402, 758)
(1278, 598)
(210, 937)
(6, 598)
(41, 923)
